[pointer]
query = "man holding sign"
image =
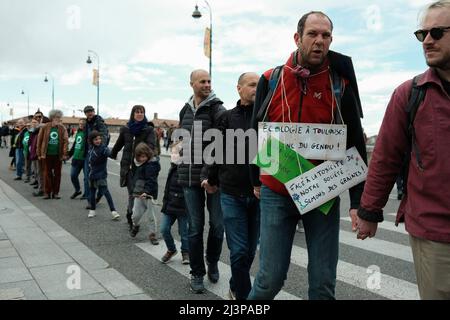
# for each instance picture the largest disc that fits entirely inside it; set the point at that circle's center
(314, 94)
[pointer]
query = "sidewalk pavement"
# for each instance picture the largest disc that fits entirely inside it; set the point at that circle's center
(39, 260)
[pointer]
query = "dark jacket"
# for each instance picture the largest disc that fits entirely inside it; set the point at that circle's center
(128, 142)
(33, 144)
(98, 160)
(208, 113)
(234, 178)
(351, 114)
(145, 178)
(98, 124)
(173, 201)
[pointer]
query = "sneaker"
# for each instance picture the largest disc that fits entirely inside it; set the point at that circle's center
(27, 180)
(185, 258)
(134, 231)
(17, 178)
(83, 197)
(115, 215)
(91, 214)
(213, 272)
(35, 183)
(231, 295)
(76, 194)
(197, 284)
(38, 194)
(169, 255)
(47, 197)
(56, 197)
(153, 239)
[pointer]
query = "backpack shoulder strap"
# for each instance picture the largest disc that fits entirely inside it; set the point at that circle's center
(273, 85)
(338, 91)
(415, 100)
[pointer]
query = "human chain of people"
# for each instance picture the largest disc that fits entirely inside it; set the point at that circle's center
(246, 231)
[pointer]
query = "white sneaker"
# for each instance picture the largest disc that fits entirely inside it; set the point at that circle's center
(115, 215)
(91, 214)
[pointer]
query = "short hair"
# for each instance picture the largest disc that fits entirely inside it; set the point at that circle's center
(302, 22)
(94, 134)
(439, 4)
(142, 149)
(242, 77)
(55, 114)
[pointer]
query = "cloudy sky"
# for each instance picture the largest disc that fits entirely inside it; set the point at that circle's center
(148, 48)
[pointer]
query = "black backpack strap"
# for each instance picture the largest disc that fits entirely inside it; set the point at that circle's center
(273, 85)
(415, 100)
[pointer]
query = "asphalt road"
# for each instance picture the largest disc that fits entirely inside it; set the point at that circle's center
(388, 254)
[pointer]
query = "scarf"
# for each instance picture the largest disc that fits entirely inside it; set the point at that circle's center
(137, 126)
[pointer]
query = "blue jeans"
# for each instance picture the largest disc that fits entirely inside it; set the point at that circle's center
(279, 216)
(20, 162)
(167, 222)
(241, 217)
(77, 166)
(104, 191)
(195, 205)
(86, 171)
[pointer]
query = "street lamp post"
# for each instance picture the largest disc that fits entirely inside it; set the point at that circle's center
(197, 15)
(28, 100)
(53, 89)
(89, 61)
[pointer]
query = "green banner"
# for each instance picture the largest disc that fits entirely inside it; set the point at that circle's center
(288, 164)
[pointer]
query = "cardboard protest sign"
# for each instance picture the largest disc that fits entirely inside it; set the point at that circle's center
(311, 140)
(327, 181)
(285, 164)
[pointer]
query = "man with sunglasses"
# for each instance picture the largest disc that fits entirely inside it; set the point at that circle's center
(426, 207)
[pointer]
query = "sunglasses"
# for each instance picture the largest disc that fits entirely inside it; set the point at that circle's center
(436, 33)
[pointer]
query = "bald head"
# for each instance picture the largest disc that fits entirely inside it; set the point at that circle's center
(247, 88)
(198, 73)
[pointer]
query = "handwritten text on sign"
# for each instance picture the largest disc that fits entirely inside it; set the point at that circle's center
(327, 181)
(313, 141)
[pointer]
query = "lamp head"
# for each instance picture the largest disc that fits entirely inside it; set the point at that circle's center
(46, 79)
(89, 60)
(23, 92)
(197, 14)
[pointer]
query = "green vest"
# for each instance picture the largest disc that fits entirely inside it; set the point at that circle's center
(25, 140)
(53, 143)
(78, 153)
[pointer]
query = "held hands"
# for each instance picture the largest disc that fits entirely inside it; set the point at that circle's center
(209, 189)
(365, 229)
(257, 192)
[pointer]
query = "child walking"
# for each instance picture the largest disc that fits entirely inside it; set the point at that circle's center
(98, 159)
(174, 208)
(145, 190)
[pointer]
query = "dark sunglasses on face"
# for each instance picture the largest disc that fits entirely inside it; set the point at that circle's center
(436, 33)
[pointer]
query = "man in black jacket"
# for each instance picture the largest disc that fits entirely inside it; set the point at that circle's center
(206, 109)
(239, 205)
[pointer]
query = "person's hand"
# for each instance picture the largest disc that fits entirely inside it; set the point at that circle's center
(209, 189)
(354, 216)
(143, 196)
(257, 192)
(366, 228)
